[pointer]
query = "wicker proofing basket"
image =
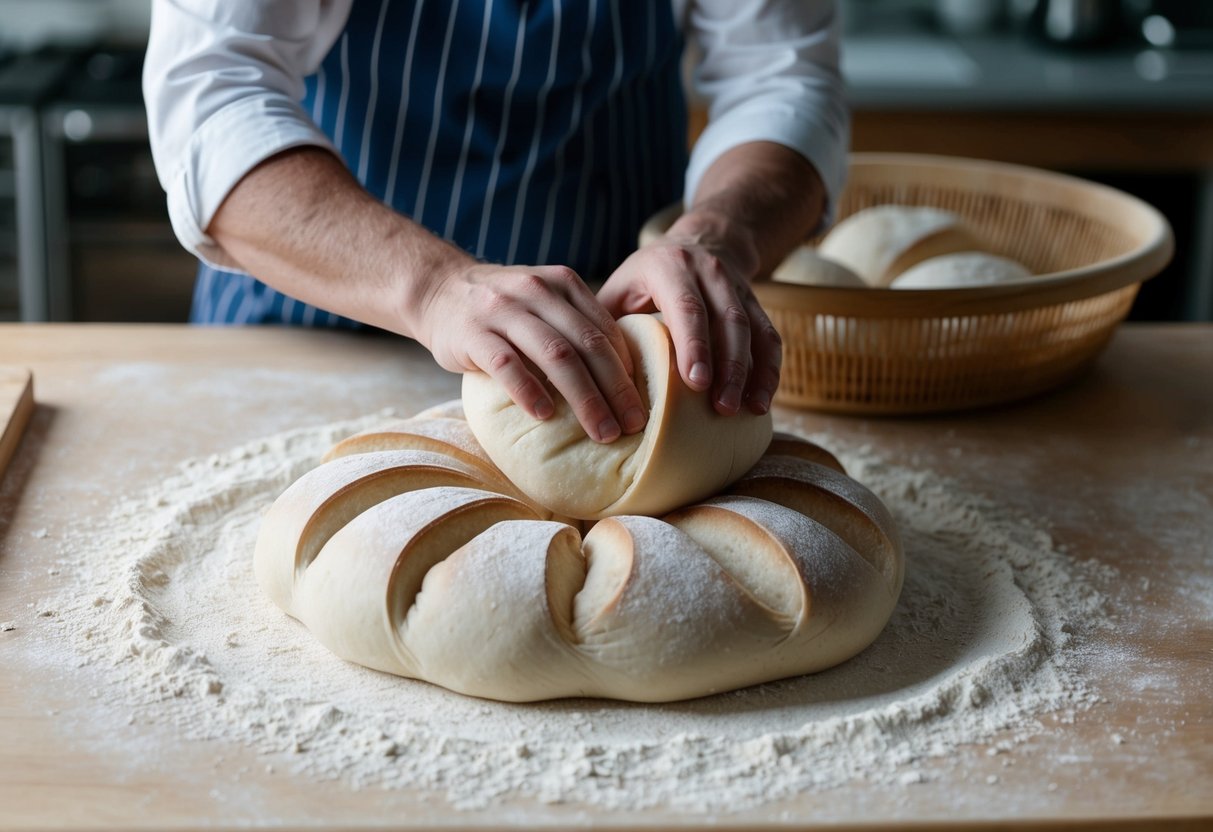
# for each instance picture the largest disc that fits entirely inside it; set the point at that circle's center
(923, 350)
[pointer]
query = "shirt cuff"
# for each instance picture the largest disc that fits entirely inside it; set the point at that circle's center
(221, 151)
(823, 144)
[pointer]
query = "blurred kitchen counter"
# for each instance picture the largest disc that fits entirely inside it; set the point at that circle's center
(1009, 98)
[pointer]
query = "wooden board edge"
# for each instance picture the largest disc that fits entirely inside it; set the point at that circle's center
(14, 428)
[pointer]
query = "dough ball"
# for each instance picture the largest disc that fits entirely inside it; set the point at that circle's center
(657, 225)
(806, 267)
(687, 451)
(968, 268)
(880, 243)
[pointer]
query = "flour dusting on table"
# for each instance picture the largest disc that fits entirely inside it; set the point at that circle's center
(978, 650)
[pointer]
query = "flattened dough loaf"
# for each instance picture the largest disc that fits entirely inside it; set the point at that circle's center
(808, 268)
(968, 268)
(686, 452)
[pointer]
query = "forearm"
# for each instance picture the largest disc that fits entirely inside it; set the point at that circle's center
(758, 201)
(302, 224)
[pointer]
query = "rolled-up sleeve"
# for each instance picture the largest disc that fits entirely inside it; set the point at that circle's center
(769, 72)
(222, 83)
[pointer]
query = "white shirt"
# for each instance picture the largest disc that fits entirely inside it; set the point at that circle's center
(223, 80)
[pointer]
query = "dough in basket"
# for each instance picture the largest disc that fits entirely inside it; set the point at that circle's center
(967, 268)
(807, 267)
(881, 242)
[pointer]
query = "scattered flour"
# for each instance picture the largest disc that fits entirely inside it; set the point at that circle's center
(979, 649)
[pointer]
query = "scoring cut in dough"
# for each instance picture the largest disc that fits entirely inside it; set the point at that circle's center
(399, 559)
(806, 267)
(882, 242)
(408, 554)
(968, 268)
(686, 452)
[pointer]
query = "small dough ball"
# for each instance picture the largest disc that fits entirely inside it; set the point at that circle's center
(686, 452)
(880, 243)
(805, 266)
(658, 224)
(968, 268)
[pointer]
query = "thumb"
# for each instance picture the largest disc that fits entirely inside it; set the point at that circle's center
(623, 296)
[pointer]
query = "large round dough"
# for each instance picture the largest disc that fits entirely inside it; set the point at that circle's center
(880, 243)
(969, 268)
(408, 553)
(807, 267)
(686, 452)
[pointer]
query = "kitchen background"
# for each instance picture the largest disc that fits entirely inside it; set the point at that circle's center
(1120, 91)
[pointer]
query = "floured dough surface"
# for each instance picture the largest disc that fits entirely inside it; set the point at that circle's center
(409, 551)
(157, 600)
(686, 452)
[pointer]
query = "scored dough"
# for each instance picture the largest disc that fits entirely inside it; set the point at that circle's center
(409, 551)
(398, 559)
(686, 452)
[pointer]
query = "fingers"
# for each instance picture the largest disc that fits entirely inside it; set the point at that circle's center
(585, 356)
(722, 336)
(495, 356)
(767, 351)
(675, 290)
(545, 323)
(603, 320)
(625, 292)
(731, 337)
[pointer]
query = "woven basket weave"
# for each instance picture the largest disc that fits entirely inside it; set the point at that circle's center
(923, 350)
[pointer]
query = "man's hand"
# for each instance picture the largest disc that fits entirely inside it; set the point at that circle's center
(698, 276)
(300, 222)
(519, 324)
(752, 206)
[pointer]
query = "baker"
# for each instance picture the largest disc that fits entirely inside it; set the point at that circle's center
(460, 172)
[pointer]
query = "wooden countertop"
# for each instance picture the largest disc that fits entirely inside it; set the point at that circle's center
(1119, 466)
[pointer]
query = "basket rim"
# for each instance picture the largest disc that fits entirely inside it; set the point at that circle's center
(1135, 266)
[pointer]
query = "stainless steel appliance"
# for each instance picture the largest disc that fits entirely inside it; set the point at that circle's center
(25, 83)
(111, 255)
(1078, 22)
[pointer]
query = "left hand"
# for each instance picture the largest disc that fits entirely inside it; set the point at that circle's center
(698, 276)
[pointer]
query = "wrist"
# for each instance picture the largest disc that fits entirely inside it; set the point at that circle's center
(720, 233)
(418, 286)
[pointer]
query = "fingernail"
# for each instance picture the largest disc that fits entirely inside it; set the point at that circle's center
(543, 409)
(608, 430)
(761, 402)
(633, 420)
(701, 373)
(730, 398)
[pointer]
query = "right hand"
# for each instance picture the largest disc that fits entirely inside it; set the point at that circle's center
(515, 321)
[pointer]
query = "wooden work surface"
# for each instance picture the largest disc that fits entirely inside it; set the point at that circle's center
(1118, 466)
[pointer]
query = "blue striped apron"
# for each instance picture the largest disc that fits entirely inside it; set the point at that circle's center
(526, 131)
